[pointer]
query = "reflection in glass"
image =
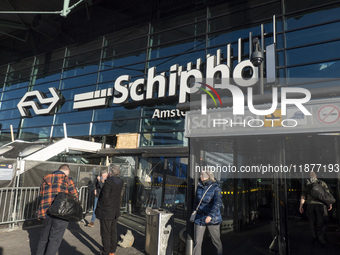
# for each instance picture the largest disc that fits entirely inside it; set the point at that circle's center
(163, 139)
(72, 130)
(74, 117)
(314, 53)
(313, 35)
(31, 134)
(161, 182)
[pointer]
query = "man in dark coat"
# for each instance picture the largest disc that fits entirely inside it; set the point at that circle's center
(316, 210)
(108, 210)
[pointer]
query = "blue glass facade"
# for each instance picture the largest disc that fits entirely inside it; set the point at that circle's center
(178, 40)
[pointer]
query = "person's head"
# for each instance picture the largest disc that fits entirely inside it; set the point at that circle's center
(207, 175)
(115, 170)
(104, 174)
(65, 169)
(313, 176)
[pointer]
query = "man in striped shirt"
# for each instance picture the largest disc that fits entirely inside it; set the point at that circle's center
(53, 228)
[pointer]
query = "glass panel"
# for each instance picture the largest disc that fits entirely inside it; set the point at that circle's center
(313, 53)
(3, 70)
(296, 5)
(163, 65)
(35, 133)
(5, 105)
(178, 48)
(72, 130)
(81, 64)
(320, 70)
(101, 128)
(67, 107)
(45, 86)
(125, 126)
(235, 6)
(84, 48)
(163, 139)
(154, 125)
(79, 81)
(127, 34)
(46, 77)
(5, 136)
(313, 35)
(161, 182)
(20, 69)
(18, 93)
(74, 117)
(69, 93)
(179, 20)
(50, 57)
(37, 121)
(115, 127)
(113, 74)
(242, 18)
(230, 36)
(126, 47)
(9, 114)
(115, 113)
(280, 58)
(178, 34)
(123, 60)
(5, 124)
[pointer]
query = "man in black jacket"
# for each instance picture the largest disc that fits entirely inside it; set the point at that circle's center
(98, 185)
(316, 210)
(108, 210)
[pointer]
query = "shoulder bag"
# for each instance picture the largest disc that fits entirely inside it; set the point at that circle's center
(317, 191)
(67, 207)
(193, 215)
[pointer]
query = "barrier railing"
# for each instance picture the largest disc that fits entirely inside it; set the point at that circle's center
(21, 204)
(18, 204)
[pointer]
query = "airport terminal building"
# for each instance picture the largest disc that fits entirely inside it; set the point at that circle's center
(120, 73)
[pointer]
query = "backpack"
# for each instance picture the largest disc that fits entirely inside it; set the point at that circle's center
(317, 191)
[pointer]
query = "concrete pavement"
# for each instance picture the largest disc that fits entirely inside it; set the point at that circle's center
(78, 240)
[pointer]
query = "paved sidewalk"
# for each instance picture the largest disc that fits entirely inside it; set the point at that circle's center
(78, 240)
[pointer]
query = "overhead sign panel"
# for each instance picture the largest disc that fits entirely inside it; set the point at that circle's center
(222, 122)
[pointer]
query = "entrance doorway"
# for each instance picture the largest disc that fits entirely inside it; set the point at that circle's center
(265, 211)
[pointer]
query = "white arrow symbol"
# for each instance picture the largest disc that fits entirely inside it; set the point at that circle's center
(42, 100)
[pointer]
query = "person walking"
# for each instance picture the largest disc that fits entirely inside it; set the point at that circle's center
(209, 212)
(108, 210)
(53, 228)
(316, 210)
(98, 185)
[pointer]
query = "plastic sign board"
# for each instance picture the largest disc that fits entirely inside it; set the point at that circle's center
(6, 172)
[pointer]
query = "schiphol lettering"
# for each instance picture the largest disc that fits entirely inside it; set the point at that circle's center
(254, 123)
(161, 86)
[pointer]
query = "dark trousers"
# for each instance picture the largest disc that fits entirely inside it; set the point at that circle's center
(214, 231)
(51, 236)
(317, 215)
(108, 232)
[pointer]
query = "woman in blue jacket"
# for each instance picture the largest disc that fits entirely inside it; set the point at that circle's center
(208, 213)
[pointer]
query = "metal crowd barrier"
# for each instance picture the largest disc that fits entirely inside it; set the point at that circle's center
(18, 204)
(21, 204)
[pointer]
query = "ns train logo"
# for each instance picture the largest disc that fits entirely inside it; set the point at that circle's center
(39, 102)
